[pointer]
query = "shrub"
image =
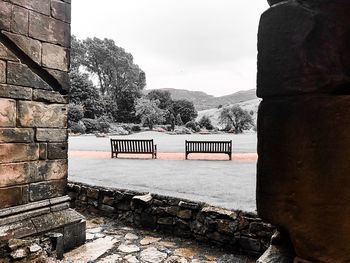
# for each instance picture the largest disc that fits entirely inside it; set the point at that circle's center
(91, 125)
(75, 113)
(191, 125)
(136, 128)
(77, 127)
(103, 124)
(205, 122)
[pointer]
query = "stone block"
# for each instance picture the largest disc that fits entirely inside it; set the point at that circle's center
(17, 173)
(49, 96)
(16, 135)
(19, 22)
(61, 10)
(15, 92)
(21, 75)
(57, 151)
(40, 6)
(8, 113)
(10, 196)
(53, 170)
(6, 54)
(2, 71)
(61, 77)
(51, 135)
(17, 230)
(49, 30)
(42, 151)
(5, 15)
(18, 152)
(303, 172)
(184, 213)
(46, 190)
(30, 46)
(37, 114)
(55, 57)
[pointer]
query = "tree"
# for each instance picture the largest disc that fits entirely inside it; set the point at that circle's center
(149, 112)
(163, 96)
(186, 110)
(237, 118)
(84, 93)
(205, 122)
(179, 121)
(118, 77)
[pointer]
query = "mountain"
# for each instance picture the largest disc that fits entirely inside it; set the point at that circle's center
(203, 101)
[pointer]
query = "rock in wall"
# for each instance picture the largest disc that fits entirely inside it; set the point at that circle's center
(303, 126)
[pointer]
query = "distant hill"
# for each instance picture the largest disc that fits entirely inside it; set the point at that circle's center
(203, 101)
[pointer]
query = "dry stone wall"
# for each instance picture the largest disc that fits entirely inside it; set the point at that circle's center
(34, 86)
(234, 230)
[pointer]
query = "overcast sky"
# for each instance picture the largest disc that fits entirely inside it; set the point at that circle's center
(206, 45)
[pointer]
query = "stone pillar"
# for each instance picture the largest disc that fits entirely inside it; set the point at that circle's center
(303, 177)
(34, 84)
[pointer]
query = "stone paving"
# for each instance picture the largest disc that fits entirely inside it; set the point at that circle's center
(109, 242)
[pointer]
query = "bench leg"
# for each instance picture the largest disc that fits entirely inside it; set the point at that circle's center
(186, 156)
(230, 154)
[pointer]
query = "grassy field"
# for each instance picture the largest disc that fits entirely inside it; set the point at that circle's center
(229, 184)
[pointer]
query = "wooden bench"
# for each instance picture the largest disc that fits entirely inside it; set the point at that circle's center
(209, 147)
(133, 146)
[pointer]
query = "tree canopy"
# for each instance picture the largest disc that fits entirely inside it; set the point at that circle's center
(237, 118)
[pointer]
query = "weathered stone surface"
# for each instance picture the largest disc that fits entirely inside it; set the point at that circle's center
(152, 255)
(41, 6)
(15, 92)
(16, 135)
(6, 54)
(184, 213)
(313, 162)
(19, 22)
(128, 248)
(62, 78)
(17, 173)
(300, 51)
(11, 196)
(31, 47)
(2, 71)
(219, 212)
(7, 113)
(46, 190)
(143, 198)
(57, 151)
(276, 254)
(61, 10)
(53, 170)
(49, 30)
(36, 114)
(49, 96)
(51, 135)
(42, 151)
(18, 152)
(5, 15)
(21, 75)
(55, 57)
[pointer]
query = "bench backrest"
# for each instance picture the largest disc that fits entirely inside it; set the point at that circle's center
(132, 146)
(209, 146)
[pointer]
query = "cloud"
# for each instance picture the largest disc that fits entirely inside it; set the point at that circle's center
(188, 44)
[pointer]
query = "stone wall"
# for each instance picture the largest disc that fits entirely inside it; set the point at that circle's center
(303, 125)
(34, 83)
(235, 230)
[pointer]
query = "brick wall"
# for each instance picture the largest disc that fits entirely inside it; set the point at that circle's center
(34, 61)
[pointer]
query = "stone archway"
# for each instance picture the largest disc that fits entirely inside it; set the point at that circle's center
(34, 63)
(303, 168)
